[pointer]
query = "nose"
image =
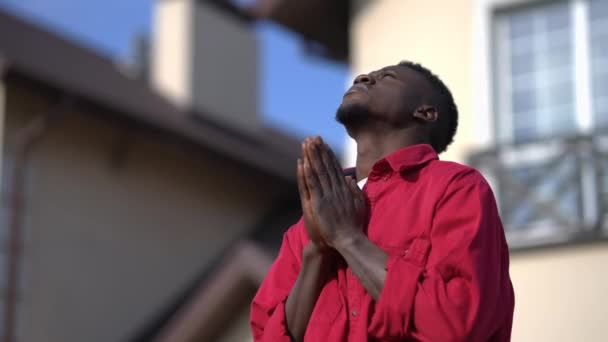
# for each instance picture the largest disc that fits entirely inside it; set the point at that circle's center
(365, 78)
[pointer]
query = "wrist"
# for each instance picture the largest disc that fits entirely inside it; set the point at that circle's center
(352, 238)
(312, 251)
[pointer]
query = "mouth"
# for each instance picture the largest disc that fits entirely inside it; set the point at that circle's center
(356, 88)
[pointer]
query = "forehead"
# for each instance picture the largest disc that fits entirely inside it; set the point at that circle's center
(402, 72)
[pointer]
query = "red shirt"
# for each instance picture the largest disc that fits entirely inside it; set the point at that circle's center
(448, 268)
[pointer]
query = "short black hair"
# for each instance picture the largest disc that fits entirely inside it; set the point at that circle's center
(444, 130)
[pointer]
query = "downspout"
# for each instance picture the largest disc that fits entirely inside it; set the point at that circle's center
(23, 143)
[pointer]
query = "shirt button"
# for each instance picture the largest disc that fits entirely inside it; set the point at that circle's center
(354, 312)
(385, 178)
(405, 252)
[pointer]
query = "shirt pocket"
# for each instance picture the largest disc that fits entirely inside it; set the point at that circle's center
(416, 251)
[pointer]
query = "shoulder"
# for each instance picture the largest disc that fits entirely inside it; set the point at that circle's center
(455, 171)
(452, 176)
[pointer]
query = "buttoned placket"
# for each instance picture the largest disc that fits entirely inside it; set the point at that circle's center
(354, 292)
(372, 189)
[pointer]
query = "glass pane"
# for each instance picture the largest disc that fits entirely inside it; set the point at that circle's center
(522, 64)
(598, 26)
(541, 68)
(521, 24)
(561, 94)
(598, 9)
(523, 101)
(557, 17)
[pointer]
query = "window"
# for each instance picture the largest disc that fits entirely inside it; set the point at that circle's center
(536, 72)
(550, 61)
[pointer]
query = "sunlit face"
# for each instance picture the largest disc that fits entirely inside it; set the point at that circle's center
(390, 94)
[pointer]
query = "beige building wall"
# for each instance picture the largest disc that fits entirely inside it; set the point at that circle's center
(560, 293)
(118, 222)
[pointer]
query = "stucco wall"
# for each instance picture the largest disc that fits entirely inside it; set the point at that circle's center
(560, 294)
(109, 242)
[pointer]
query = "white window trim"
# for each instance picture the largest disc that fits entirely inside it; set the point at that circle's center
(582, 63)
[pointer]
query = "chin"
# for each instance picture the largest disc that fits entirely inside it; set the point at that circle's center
(352, 113)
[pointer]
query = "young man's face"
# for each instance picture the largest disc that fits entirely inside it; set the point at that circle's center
(390, 94)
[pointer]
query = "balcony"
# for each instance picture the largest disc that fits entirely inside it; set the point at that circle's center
(551, 191)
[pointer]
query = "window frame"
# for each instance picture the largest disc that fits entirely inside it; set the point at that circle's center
(581, 73)
(491, 116)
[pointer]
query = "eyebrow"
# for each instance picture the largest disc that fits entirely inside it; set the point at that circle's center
(386, 70)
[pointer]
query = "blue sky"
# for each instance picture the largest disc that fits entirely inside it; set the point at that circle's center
(299, 93)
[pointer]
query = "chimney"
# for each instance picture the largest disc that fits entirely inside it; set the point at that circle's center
(205, 59)
(140, 56)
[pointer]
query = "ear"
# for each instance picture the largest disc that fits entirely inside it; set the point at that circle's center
(426, 114)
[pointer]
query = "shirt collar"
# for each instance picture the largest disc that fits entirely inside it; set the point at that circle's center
(406, 158)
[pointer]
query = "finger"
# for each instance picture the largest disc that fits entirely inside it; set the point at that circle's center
(354, 188)
(334, 165)
(333, 175)
(303, 149)
(312, 183)
(306, 148)
(358, 196)
(303, 189)
(318, 167)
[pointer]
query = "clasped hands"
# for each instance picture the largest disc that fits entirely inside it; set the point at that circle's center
(333, 206)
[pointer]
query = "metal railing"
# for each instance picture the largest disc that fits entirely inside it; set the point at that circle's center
(551, 190)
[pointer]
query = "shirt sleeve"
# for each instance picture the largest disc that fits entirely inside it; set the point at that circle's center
(453, 286)
(268, 306)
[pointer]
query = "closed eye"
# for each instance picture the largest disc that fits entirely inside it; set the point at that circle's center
(389, 74)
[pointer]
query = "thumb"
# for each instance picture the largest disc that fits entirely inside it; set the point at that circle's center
(354, 188)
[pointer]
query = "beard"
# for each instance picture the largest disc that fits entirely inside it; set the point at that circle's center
(353, 114)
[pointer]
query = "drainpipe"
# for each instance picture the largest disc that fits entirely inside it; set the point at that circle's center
(24, 141)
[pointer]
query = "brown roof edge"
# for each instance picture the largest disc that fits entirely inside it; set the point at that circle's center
(322, 23)
(243, 269)
(229, 7)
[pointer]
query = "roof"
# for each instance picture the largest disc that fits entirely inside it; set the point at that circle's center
(44, 58)
(324, 25)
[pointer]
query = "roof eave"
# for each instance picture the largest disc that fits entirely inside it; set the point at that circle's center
(324, 24)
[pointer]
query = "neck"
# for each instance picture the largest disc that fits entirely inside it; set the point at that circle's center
(373, 146)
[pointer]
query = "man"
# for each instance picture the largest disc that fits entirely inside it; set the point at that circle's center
(419, 254)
